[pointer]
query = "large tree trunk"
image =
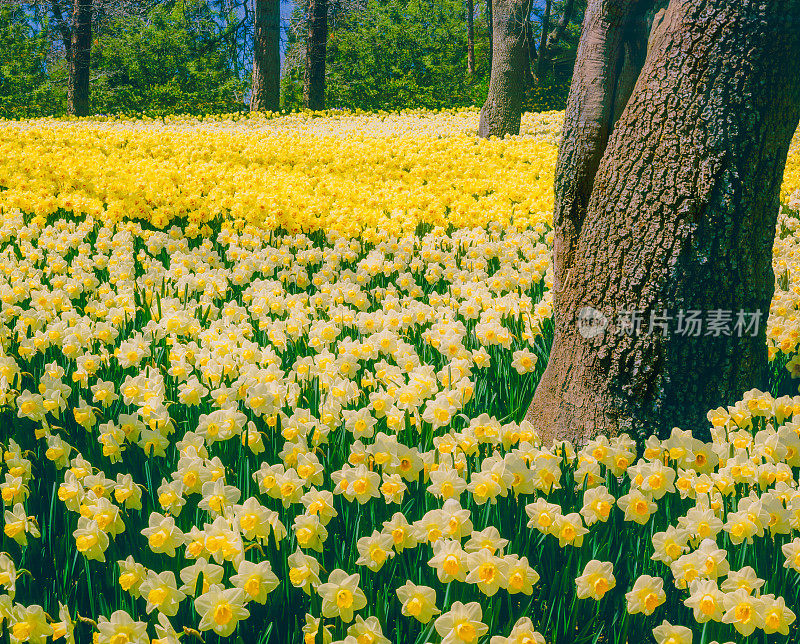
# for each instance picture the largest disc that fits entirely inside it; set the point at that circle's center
(316, 45)
(470, 37)
(670, 208)
(266, 91)
(79, 54)
(502, 111)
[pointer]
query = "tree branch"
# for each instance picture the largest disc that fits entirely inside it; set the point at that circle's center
(64, 30)
(230, 31)
(561, 27)
(543, 43)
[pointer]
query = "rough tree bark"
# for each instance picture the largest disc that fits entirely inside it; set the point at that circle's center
(667, 196)
(77, 39)
(80, 58)
(266, 90)
(470, 37)
(316, 45)
(502, 111)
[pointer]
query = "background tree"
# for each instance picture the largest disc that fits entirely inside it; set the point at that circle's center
(489, 23)
(545, 29)
(177, 58)
(266, 87)
(502, 110)
(316, 46)
(159, 56)
(394, 54)
(667, 196)
(470, 37)
(25, 90)
(552, 41)
(529, 44)
(548, 69)
(380, 55)
(77, 38)
(520, 69)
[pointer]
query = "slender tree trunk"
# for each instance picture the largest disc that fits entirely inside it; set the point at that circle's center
(543, 47)
(670, 209)
(490, 28)
(79, 58)
(530, 48)
(266, 91)
(316, 45)
(470, 37)
(502, 111)
(64, 30)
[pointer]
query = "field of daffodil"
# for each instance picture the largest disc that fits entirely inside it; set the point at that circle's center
(264, 381)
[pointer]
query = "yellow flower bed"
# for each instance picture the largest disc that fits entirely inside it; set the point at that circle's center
(246, 435)
(358, 176)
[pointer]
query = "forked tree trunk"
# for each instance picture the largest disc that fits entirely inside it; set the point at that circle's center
(502, 111)
(79, 54)
(671, 208)
(316, 46)
(266, 90)
(470, 37)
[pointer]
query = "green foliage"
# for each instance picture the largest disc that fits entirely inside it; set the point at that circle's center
(397, 54)
(547, 97)
(24, 87)
(180, 57)
(175, 60)
(191, 57)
